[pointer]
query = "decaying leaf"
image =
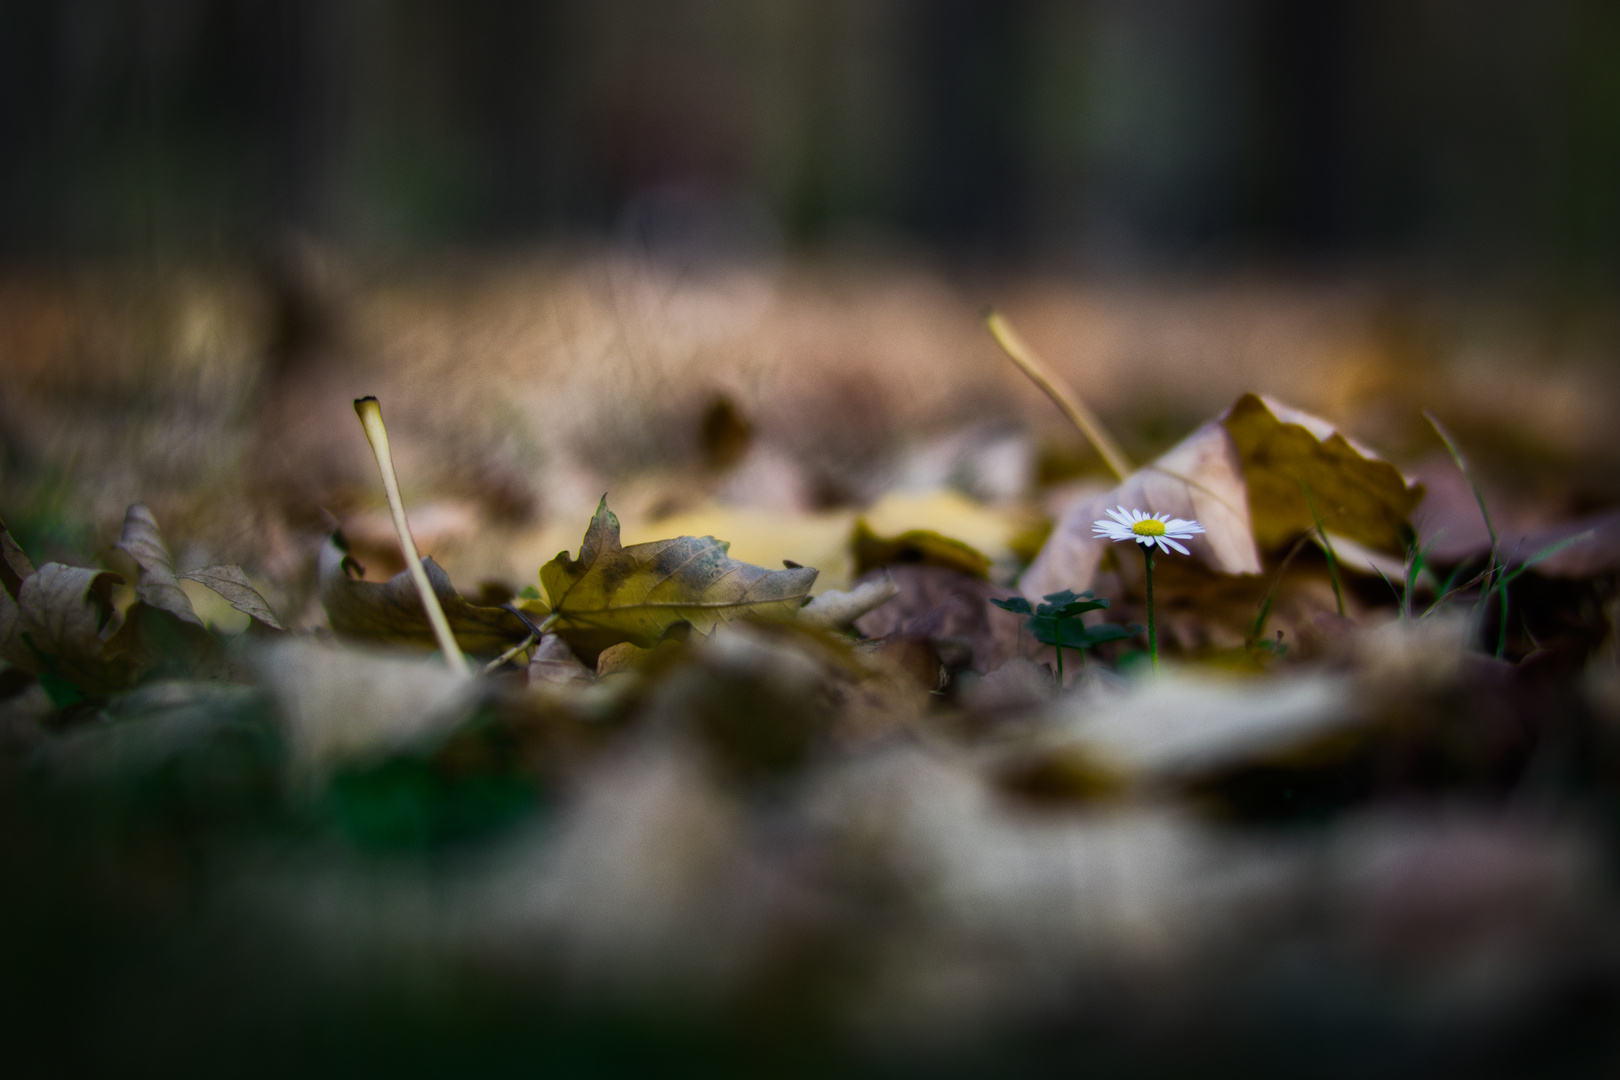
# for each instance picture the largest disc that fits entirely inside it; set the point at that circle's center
(232, 583)
(14, 565)
(66, 617)
(1250, 478)
(1292, 459)
(612, 593)
(554, 662)
(949, 610)
(391, 612)
(140, 555)
(70, 622)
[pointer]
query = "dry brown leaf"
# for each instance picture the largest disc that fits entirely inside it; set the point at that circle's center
(140, 555)
(554, 662)
(1287, 453)
(390, 612)
(67, 614)
(232, 583)
(1244, 477)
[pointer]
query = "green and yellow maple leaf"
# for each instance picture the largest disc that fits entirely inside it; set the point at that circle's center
(612, 593)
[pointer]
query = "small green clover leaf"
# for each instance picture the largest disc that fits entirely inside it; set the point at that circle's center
(1057, 622)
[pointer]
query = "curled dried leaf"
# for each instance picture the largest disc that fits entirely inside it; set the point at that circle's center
(391, 611)
(145, 559)
(1249, 477)
(232, 583)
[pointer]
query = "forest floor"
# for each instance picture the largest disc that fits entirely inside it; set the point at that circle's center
(826, 799)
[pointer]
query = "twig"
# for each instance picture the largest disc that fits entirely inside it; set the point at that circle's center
(1055, 388)
(370, 414)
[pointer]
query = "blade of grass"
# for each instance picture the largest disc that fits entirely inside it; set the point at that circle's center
(1062, 395)
(1327, 547)
(1264, 614)
(1493, 565)
(1462, 467)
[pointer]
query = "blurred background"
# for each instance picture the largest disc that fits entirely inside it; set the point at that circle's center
(1104, 136)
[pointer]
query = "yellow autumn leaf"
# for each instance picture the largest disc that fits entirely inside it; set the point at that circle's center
(612, 593)
(1288, 455)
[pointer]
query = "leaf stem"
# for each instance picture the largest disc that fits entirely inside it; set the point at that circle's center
(1052, 384)
(494, 664)
(1153, 630)
(370, 414)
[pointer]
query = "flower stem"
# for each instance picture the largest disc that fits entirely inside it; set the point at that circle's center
(1153, 630)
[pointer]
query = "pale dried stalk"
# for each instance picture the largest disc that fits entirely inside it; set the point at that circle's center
(370, 414)
(1062, 396)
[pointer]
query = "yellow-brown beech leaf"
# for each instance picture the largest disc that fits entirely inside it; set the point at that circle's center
(391, 611)
(232, 583)
(914, 546)
(1200, 477)
(1243, 476)
(612, 593)
(1287, 453)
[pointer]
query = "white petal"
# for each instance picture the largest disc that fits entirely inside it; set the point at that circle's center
(1119, 515)
(1164, 540)
(1180, 525)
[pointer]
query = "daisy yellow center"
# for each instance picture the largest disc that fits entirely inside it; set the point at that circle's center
(1150, 527)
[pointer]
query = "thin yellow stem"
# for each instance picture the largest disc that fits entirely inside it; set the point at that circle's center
(1059, 391)
(370, 414)
(494, 665)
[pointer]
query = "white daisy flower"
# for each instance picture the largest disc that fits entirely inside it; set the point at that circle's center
(1147, 529)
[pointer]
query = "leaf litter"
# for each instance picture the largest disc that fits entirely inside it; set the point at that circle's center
(892, 817)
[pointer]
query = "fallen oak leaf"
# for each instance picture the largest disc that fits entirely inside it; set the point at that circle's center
(391, 612)
(612, 593)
